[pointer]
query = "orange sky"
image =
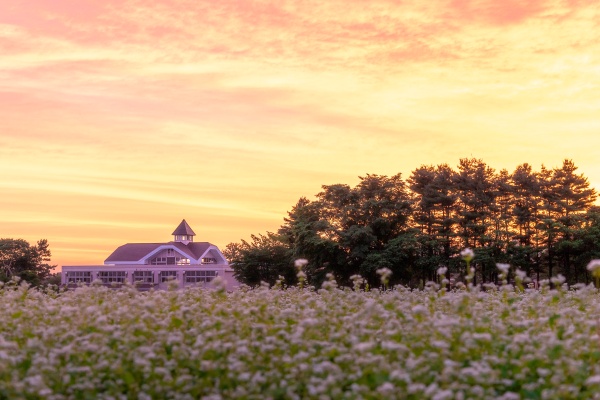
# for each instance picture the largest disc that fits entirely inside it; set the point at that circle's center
(119, 118)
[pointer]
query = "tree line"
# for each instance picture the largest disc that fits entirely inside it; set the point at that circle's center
(27, 262)
(544, 222)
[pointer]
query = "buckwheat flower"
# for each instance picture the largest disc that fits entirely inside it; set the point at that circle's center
(419, 309)
(503, 267)
(387, 389)
(219, 283)
(357, 281)
(467, 254)
(414, 388)
(543, 372)
(244, 376)
(593, 380)
(442, 270)
(301, 262)
(443, 395)
(594, 267)
(385, 273)
(558, 279)
(483, 336)
(364, 346)
(440, 344)
(510, 396)
(521, 274)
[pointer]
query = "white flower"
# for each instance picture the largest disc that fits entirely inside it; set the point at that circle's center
(593, 266)
(442, 270)
(357, 280)
(440, 344)
(467, 254)
(384, 272)
(364, 346)
(503, 267)
(387, 388)
(510, 396)
(443, 395)
(419, 309)
(219, 283)
(301, 262)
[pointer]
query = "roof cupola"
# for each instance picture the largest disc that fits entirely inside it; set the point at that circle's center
(183, 233)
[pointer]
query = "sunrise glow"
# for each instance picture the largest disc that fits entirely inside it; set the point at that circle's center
(119, 118)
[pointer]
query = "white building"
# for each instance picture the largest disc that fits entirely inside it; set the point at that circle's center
(153, 265)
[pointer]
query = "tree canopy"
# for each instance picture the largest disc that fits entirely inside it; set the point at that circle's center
(28, 262)
(544, 222)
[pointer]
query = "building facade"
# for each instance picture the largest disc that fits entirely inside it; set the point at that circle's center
(155, 265)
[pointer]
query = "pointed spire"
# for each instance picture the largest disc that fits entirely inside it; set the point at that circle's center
(183, 233)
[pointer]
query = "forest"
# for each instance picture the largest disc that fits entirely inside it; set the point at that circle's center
(545, 222)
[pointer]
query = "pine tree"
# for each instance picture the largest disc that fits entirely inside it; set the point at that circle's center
(572, 196)
(474, 184)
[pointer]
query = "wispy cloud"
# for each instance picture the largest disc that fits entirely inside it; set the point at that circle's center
(131, 110)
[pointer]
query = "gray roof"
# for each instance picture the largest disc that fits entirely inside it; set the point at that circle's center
(194, 249)
(132, 251)
(184, 229)
(136, 251)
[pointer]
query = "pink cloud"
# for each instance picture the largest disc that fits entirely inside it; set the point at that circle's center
(497, 12)
(311, 33)
(51, 17)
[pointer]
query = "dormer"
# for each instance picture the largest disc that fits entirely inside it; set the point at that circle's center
(183, 233)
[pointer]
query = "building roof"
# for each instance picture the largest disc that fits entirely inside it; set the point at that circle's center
(136, 252)
(184, 229)
(132, 252)
(194, 249)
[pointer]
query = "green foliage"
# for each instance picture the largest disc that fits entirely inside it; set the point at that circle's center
(400, 255)
(20, 259)
(544, 222)
(263, 259)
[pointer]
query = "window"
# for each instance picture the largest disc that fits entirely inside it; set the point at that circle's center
(209, 260)
(170, 252)
(112, 276)
(167, 275)
(79, 276)
(199, 276)
(143, 276)
(169, 261)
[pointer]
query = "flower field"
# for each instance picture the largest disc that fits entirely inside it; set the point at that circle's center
(97, 342)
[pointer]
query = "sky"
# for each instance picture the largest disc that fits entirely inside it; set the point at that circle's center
(120, 118)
